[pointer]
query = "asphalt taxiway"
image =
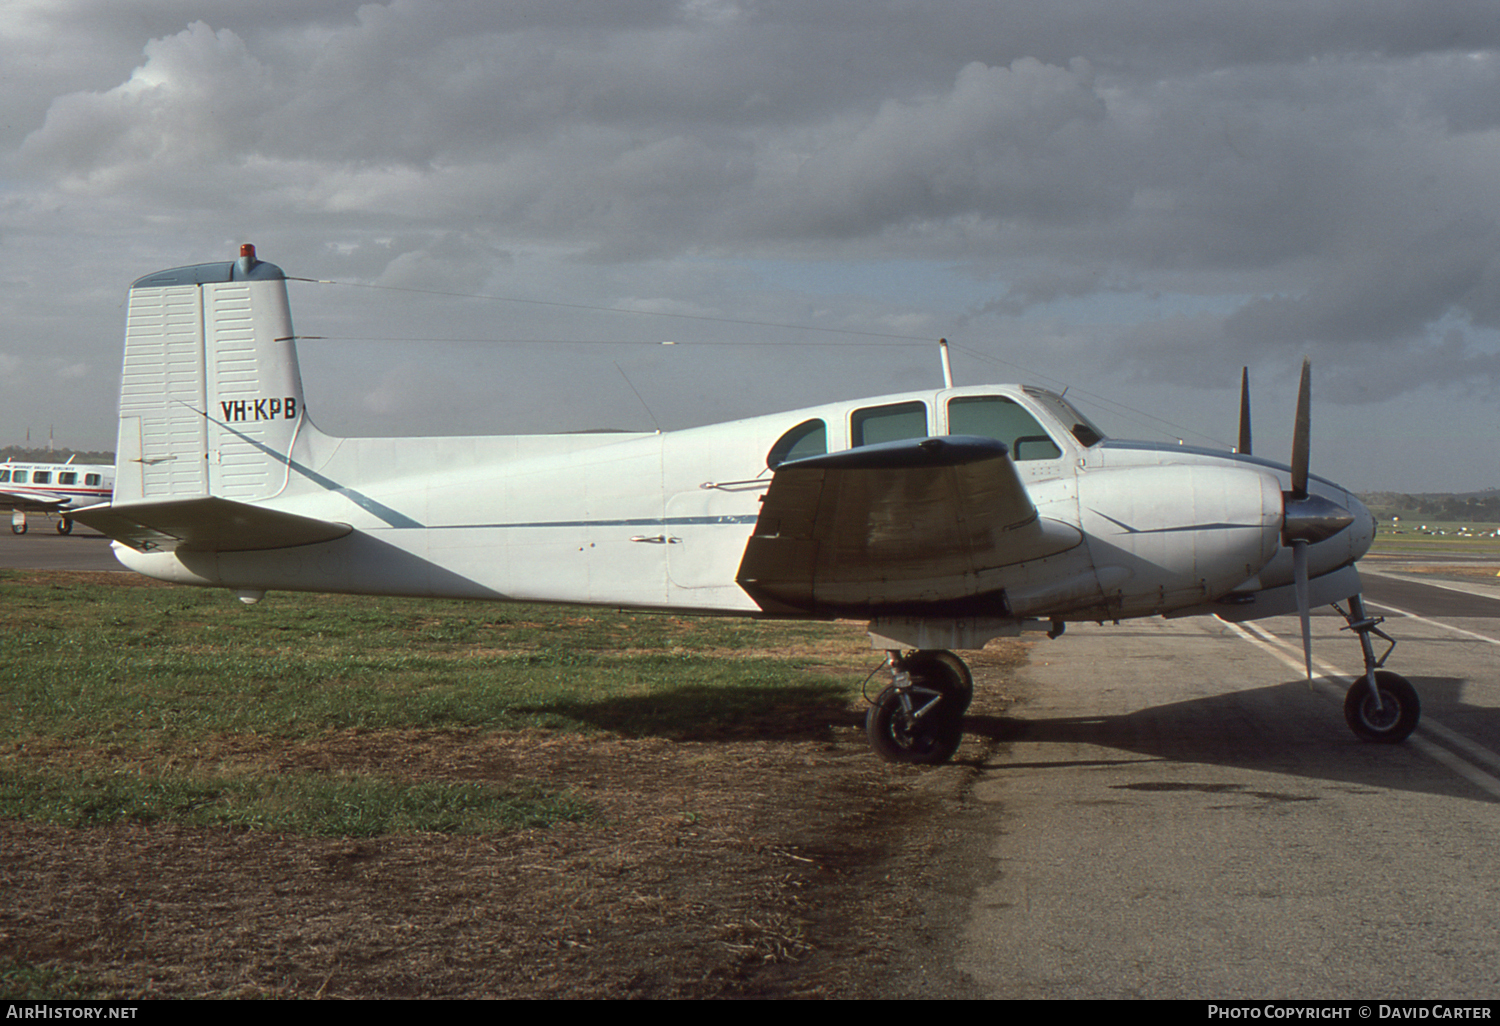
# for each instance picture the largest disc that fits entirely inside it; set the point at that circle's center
(1174, 812)
(42, 548)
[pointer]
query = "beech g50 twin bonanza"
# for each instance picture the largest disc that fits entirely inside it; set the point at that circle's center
(52, 488)
(944, 517)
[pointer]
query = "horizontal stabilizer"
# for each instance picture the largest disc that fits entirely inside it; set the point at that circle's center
(898, 525)
(206, 524)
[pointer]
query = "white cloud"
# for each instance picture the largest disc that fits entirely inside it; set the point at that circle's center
(196, 100)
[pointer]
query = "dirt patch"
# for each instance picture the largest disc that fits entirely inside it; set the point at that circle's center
(718, 868)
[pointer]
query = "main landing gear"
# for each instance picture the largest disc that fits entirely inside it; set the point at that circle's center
(918, 717)
(18, 524)
(1381, 706)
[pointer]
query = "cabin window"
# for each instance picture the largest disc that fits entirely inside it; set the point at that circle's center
(4, 476)
(41, 477)
(67, 477)
(92, 480)
(876, 424)
(995, 416)
(20, 477)
(810, 438)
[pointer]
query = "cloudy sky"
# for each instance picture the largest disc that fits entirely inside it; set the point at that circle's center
(518, 201)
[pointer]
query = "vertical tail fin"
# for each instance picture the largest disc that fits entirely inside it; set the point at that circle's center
(210, 393)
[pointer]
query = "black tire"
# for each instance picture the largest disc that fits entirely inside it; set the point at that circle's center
(933, 664)
(932, 731)
(16, 528)
(929, 741)
(64, 526)
(1400, 709)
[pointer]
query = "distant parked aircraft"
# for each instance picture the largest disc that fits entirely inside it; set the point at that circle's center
(52, 488)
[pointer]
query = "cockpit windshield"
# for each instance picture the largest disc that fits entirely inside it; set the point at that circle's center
(1000, 417)
(1077, 424)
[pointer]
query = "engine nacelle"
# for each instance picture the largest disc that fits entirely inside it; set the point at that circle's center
(1184, 534)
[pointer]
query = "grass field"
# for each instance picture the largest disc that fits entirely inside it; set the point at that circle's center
(323, 796)
(156, 704)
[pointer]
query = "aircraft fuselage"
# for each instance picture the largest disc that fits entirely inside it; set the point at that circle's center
(661, 520)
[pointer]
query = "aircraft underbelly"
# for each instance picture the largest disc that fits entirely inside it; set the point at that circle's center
(529, 565)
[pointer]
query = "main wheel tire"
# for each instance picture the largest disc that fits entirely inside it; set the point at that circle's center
(928, 741)
(930, 738)
(65, 526)
(934, 665)
(1399, 711)
(16, 528)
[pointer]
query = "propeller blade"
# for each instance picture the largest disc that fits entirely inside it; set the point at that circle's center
(1302, 432)
(1244, 446)
(1304, 610)
(1306, 518)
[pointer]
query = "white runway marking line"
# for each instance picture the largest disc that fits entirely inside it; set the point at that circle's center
(1282, 651)
(1435, 623)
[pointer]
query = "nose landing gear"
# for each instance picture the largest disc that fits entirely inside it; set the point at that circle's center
(1381, 706)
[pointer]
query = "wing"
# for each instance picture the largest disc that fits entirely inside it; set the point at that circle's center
(31, 502)
(903, 526)
(206, 524)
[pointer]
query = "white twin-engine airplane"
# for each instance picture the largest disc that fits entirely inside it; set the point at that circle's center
(945, 518)
(55, 489)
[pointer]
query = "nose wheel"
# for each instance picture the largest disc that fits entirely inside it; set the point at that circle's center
(1393, 718)
(918, 717)
(1381, 706)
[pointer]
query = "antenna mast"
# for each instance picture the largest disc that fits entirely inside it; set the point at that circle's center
(947, 367)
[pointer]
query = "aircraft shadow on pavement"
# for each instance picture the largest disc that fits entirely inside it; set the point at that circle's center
(1283, 728)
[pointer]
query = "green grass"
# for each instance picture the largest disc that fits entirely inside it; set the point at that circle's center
(21, 981)
(120, 703)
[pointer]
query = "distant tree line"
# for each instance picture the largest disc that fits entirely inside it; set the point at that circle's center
(25, 454)
(1479, 507)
